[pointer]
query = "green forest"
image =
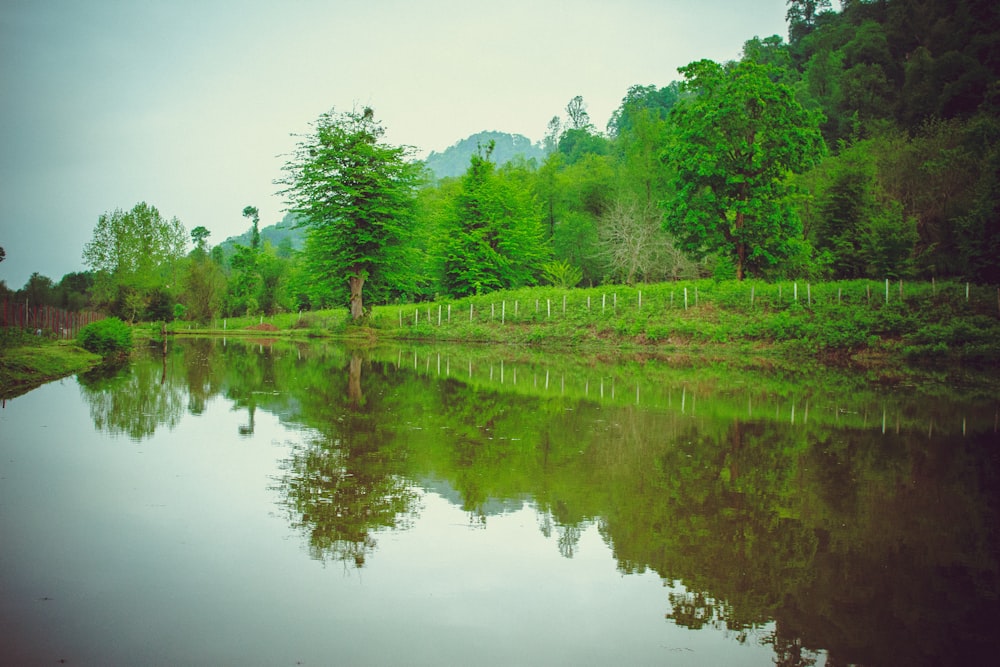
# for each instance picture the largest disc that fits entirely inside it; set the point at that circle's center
(865, 145)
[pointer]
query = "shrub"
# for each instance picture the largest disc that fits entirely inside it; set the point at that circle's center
(106, 337)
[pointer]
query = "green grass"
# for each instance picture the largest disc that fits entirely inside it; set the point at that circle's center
(25, 366)
(917, 321)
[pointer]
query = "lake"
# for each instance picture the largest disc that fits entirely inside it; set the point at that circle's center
(277, 503)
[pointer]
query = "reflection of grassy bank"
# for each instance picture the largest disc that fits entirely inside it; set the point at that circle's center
(723, 387)
(857, 516)
(866, 322)
(26, 364)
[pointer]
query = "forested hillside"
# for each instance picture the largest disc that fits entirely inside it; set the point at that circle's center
(865, 145)
(283, 235)
(454, 160)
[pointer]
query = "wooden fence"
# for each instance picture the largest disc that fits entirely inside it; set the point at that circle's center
(47, 319)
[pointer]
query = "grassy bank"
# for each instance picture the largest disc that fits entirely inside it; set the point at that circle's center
(859, 320)
(27, 361)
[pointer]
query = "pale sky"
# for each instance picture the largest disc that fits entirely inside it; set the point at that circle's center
(190, 105)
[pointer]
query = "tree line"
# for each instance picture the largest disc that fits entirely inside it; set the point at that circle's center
(864, 146)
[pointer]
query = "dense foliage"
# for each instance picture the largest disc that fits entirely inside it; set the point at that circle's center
(733, 143)
(355, 194)
(133, 255)
(106, 337)
(866, 146)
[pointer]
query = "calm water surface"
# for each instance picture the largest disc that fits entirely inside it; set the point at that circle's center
(280, 504)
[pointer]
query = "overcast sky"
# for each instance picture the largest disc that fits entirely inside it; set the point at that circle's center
(190, 105)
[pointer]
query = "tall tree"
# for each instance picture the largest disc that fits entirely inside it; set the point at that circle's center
(251, 213)
(39, 290)
(576, 111)
(732, 146)
(494, 232)
(355, 194)
(801, 16)
(134, 251)
(199, 235)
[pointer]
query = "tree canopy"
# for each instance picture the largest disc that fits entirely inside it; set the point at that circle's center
(493, 232)
(731, 147)
(903, 92)
(132, 254)
(355, 194)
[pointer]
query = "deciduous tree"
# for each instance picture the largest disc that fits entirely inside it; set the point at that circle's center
(732, 146)
(355, 194)
(134, 251)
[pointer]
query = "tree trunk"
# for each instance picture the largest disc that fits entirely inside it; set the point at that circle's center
(354, 394)
(357, 282)
(741, 247)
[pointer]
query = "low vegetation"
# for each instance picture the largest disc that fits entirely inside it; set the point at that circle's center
(108, 338)
(28, 360)
(859, 320)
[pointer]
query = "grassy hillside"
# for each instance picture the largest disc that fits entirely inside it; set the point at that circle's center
(837, 320)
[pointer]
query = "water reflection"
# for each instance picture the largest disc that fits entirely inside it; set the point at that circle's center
(132, 401)
(347, 482)
(856, 522)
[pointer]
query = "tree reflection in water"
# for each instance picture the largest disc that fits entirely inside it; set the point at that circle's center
(345, 484)
(132, 400)
(863, 526)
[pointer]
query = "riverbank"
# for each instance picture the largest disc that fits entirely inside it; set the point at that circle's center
(860, 322)
(28, 365)
(863, 324)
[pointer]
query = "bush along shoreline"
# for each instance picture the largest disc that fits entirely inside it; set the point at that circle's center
(862, 322)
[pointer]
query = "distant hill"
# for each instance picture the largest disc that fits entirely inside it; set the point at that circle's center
(454, 160)
(275, 234)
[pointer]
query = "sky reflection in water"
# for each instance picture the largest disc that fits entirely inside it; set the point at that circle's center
(269, 505)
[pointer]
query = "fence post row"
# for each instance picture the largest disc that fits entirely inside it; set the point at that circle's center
(67, 323)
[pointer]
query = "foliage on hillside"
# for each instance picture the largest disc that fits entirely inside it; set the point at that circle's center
(454, 160)
(285, 235)
(904, 94)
